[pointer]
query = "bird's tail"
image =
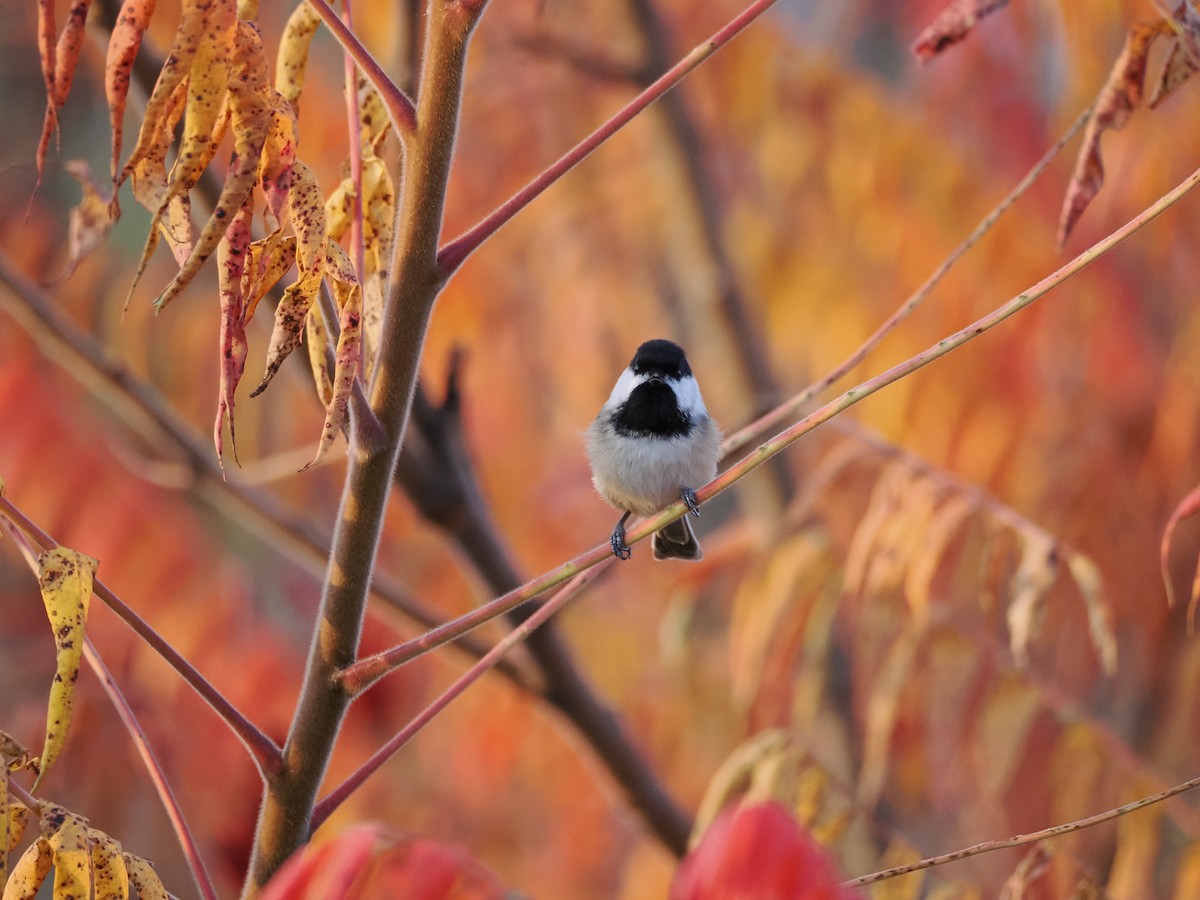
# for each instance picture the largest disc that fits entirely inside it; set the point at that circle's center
(676, 541)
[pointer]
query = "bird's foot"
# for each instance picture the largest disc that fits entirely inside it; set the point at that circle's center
(693, 505)
(620, 549)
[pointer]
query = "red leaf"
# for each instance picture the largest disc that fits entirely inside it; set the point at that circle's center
(758, 851)
(370, 861)
(954, 23)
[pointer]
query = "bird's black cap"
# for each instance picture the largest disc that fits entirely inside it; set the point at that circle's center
(661, 356)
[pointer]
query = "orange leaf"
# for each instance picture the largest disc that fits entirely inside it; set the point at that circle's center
(231, 263)
(164, 99)
(123, 47)
(66, 58)
(1119, 97)
(953, 24)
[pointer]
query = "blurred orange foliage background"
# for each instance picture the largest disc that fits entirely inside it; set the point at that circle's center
(843, 174)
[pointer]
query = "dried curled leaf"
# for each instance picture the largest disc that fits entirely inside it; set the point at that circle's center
(1183, 58)
(123, 46)
(1119, 97)
(1031, 583)
(316, 337)
(90, 221)
(953, 24)
(231, 264)
(65, 578)
(1099, 612)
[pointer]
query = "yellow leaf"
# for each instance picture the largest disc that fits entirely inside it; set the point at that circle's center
(208, 80)
(307, 211)
(15, 754)
(1002, 726)
(17, 817)
(143, 877)
(289, 320)
(906, 887)
(944, 525)
(109, 875)
(318, 360)
(65, 578)
(270, 259)
(29, 872)
(169, 94)
(66, 833)
(883, 709)
(291, 63)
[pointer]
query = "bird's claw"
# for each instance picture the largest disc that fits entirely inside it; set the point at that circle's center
(693, 505)
(620, 549)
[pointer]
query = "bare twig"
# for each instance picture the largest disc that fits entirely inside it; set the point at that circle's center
(1023, 839)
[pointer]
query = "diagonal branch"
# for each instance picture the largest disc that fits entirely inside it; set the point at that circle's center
(399, 107)
(262, 749)
(452, 255)
(370, 669)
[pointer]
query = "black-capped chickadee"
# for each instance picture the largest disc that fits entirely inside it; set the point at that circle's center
(653, 443)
